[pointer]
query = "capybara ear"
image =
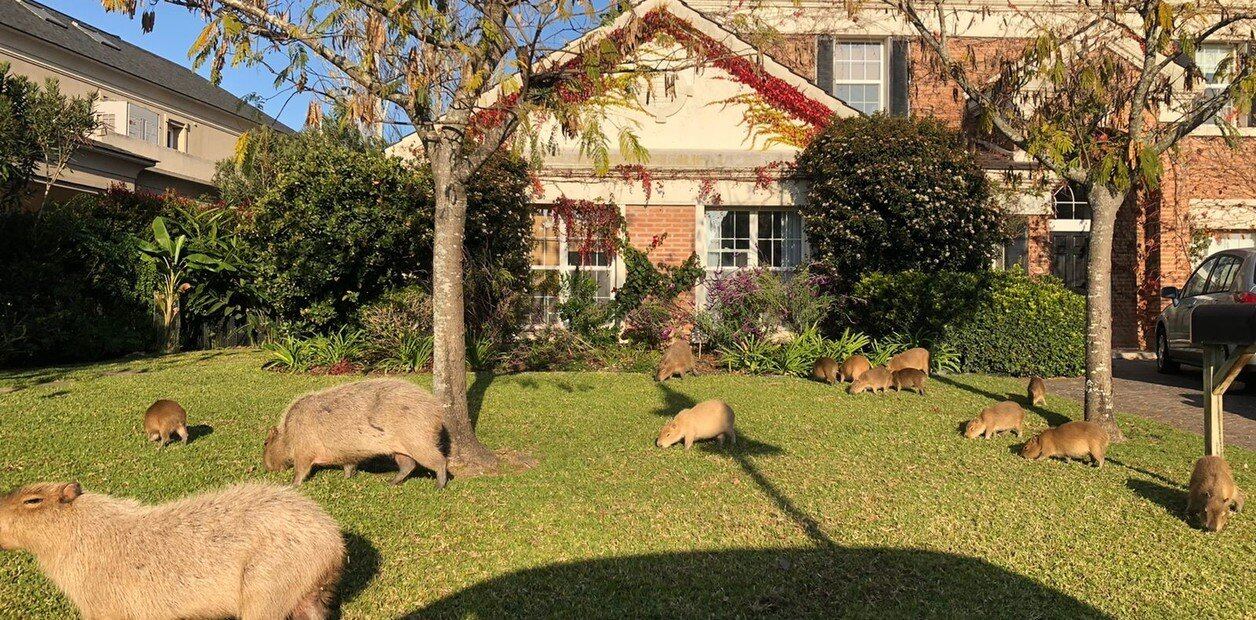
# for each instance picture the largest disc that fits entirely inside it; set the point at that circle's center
(71, 492)
(270, 434)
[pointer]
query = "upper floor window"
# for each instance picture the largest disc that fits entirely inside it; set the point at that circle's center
(859, 74)
(176, 136)
(758, 238)
(1216, 62)
(142, 123)
(1070, 203)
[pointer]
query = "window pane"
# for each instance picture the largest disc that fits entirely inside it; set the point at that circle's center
(1195, 286)
(780, 239)
(858, 74)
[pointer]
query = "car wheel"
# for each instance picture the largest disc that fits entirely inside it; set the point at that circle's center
(1164, 363)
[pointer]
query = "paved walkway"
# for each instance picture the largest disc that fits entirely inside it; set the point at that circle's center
(1176, 400)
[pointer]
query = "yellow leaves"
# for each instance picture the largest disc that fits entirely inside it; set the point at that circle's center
(119, 6)
(208, 33)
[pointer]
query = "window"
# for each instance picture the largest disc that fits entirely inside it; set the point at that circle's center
(761, 238)
(1216, 62)
(141, 123)
(1199, 279)
(859, 74)
(553, 259)
(1223, 274)
(176, 136)
(1070, 203)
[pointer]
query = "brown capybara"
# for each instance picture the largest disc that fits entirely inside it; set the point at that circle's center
(876, 379)
(1213, 494)
(1004, 416)
(910, 378)
(248, 551)
(347, 424)
(825, 369)
(1037, 392)
(705, 420)
(917, 358)
(164, 419)
(677, 360)
(853, 368)
(1071, 440)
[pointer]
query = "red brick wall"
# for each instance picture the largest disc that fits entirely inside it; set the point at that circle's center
(1039, 245)
(932, 94)
(647, 222)
(796, 51)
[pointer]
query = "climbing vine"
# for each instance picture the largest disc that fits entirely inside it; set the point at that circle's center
(589, 226)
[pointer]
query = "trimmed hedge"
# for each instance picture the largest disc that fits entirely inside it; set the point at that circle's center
(998, 322)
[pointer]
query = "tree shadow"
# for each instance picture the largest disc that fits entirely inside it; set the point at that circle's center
(1171, 498)
(673, 401)
(360, 569)
(475, 395)
(1053, 418)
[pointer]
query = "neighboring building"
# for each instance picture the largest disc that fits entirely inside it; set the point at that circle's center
(163, 127)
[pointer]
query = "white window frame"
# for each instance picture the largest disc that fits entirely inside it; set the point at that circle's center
(181, 141)
(1226, 51)
(565, 268)
(752, 252)
(882, 80)
(1068, 224)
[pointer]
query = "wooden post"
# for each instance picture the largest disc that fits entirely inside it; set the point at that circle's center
(1214, 436)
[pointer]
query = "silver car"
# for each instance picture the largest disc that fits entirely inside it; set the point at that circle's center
(1227, 277)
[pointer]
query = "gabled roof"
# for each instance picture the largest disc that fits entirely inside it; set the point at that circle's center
(63, 31)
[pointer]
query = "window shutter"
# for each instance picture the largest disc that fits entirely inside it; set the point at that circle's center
(899, 77)
(824, 63)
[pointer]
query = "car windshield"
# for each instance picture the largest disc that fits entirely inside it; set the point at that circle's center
(1195, 286)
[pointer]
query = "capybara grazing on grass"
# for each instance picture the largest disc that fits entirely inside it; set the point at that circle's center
(825, 369)
(876, 379)
(1213, 494)
(853, 368)
(910, 378)
(677, 360)
(350, 423)
(705, 420)
(250, 551)
(164, 419)
(1073, 440)
(1037, 392)
(917, 358)
(1005, 416)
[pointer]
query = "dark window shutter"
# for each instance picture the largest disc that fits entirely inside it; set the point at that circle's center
(824, 63)
(899, 77)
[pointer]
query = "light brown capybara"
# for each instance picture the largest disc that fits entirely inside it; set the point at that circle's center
(917, 358)
(347, 424)
(1004, 416)
(164, 419)
(249, 551)
(705, 420)
(1037, 392)
(677, 360)
(910, 378)
(825, 369)
(876, 379)
(1213, 495)
(853, 368)
(1071, 440)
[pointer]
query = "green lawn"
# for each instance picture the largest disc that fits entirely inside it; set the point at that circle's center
(829, 505)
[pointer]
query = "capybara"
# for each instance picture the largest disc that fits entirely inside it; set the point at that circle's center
(248, 551)
(853, 368)
(1004, 416)
(1037, 392)
(911, 378)
(705, 420)
(347, 424)
(1074, 440)
(917, 358)
(1213, 493)
(875, 379)
(825, 369)
(677, 360)
(164, 419)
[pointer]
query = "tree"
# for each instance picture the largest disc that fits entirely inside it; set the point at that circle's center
(467, 76)
(177, 263)
(37, 125)
(1099, 96)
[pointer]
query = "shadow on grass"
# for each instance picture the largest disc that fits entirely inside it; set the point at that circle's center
(475, 395)
(1053, 418)
(673, 401)
(134, 365)
(198, 431)
(1149, 474)
(1171, 498)
(361, 568)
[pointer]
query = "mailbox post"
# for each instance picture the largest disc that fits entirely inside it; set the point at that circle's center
(1226, 333)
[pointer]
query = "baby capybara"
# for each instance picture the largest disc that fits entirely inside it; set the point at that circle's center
(825, 369)
(917, 358)
(705, 420)
(1071, 440)
(876, 379)
(1213, 494)
(910, 378)
(247, 551)
(1005, 416)
(1037, 392)
(677, 360)
(164, 419)
(350, 423)
(853, 368)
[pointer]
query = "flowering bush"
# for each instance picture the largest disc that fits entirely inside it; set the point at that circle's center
(759, 304)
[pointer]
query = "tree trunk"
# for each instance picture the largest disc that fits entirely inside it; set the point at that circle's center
(1104, 203)
(449, 374)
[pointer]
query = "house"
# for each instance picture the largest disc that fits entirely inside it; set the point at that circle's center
(715, 134)
(162, 126)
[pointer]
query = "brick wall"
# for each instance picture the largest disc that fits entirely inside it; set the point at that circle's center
(932, 94)
(1039, 244)
(677, 221)
(796, 51)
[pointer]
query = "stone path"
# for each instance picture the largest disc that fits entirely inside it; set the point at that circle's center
(1176, 400)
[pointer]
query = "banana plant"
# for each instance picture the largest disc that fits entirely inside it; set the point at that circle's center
(176, 265)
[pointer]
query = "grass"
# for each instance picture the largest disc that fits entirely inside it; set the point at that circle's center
(830, 504)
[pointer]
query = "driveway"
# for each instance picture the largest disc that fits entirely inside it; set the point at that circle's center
(1176, 400)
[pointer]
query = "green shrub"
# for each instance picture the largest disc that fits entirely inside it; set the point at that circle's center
(581, 311)
(759, 303)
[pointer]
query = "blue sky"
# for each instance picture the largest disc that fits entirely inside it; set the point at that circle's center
(174, 33)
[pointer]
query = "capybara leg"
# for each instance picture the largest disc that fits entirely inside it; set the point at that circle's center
(165, 439)
(183, 434)
(732, 436)
(435, 461)
(719, 439)
(1097, 457)
(988, 434)
(154, 436)
(1018, 431)
(921, 390)
(688, 441)
(442, 473)
(301, 470)
(351, 470)
(1239, 498)
(405, 465)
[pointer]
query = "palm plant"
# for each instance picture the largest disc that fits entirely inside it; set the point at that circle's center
(176, 265)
